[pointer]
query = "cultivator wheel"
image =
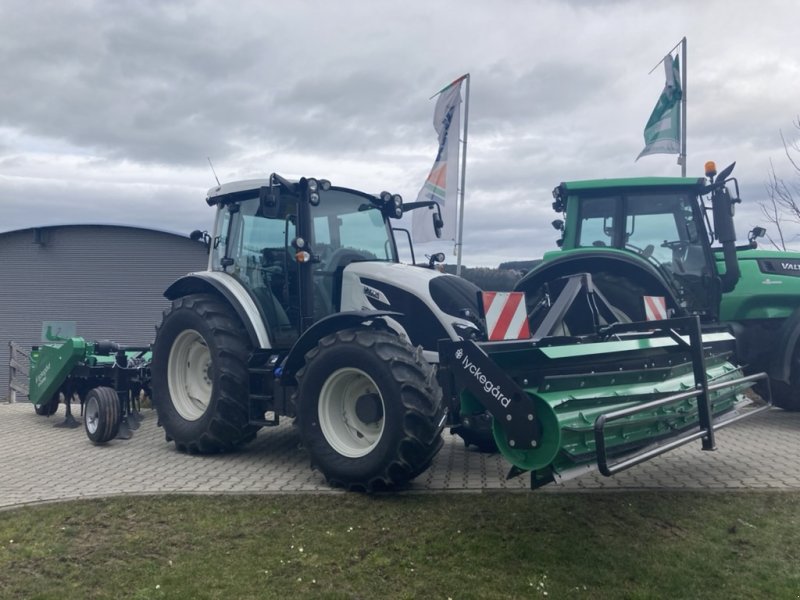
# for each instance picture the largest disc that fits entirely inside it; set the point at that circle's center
(102, 415)
(47, 409)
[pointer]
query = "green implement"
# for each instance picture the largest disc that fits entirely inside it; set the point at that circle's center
(561, 405)
(107, 377)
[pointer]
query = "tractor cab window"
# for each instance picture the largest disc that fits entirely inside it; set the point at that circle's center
(663, 228)
(258, 257)
(597, 221)
(347, 228)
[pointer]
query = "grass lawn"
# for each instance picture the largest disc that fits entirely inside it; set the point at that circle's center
(476, 545)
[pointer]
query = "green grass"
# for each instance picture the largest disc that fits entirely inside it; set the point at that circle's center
(488, 545)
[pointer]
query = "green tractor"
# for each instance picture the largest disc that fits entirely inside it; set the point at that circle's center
(666, 247)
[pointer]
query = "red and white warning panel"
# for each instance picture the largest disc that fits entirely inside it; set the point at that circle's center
(655, 308)
(506, 317)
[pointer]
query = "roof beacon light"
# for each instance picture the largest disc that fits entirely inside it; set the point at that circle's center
(711, 168)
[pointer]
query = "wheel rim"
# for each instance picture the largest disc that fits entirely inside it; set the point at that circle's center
(343, 428)
(92, 415)
(189, 375)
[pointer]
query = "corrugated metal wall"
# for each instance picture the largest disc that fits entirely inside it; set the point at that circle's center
(108, 279)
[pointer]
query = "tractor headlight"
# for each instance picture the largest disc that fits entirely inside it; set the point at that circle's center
(386, 197)
(398, 200)
(324, 185)
(313, 199)
(313, 184)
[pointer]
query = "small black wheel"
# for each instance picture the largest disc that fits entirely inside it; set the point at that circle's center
(369, 409)
(46, 409)
(101, 414)
(200, 379)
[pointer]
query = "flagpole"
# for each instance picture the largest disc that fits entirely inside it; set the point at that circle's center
(684, 78)
(460, 236)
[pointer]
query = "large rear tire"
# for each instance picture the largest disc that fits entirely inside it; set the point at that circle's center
(369, 409)
(785, 396)
(199, 376)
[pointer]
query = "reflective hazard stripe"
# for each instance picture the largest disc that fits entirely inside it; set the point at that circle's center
(655, 308)
(506, 318)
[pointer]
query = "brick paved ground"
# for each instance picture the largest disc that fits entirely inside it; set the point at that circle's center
(44, 463)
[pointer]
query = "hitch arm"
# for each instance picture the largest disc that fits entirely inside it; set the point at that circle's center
(472, 370)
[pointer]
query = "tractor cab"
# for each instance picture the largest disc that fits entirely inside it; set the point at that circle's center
(288, 242)
(663, 229)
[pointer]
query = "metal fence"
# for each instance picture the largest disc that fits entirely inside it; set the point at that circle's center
(19, 362)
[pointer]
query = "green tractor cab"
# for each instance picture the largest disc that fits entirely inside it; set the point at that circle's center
(667, 247)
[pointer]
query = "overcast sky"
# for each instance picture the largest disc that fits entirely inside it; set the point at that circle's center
(108, 110)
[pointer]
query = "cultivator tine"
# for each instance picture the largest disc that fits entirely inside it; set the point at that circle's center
(69, 421)
(129, 410)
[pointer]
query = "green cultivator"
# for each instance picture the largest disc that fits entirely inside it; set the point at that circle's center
(107, 378)
(560, 404)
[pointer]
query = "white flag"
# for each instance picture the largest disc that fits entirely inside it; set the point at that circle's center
(442, 183)
(662, 134)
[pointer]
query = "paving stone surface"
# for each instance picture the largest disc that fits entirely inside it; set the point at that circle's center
(40, 462)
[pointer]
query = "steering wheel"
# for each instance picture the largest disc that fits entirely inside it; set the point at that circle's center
(341, 257)
(647, 252)
(680, 249)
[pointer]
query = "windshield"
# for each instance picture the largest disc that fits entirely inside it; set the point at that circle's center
(347, 227)
(661, 227)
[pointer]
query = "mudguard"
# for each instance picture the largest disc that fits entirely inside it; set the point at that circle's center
(222, 284)
(597, 260)
(311, 336)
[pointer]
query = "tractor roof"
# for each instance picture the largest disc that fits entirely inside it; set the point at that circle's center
(633, 182)
(236, 186)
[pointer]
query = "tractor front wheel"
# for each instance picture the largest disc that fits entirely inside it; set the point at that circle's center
(369, 409)
(200, 379)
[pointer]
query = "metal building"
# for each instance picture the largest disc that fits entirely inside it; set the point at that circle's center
(106, 279)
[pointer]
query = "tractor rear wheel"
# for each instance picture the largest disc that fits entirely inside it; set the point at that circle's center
(369, 409)
(785, 396)
(200, 379)
(102, 414)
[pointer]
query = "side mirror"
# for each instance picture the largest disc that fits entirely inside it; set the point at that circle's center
(269, 201)
(437, 224)
(435, 258)
(201, 236)
(755, 233)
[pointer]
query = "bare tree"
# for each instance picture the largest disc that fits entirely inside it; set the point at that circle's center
(783, 202)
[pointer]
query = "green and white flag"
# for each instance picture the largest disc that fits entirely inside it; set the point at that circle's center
(662, 134)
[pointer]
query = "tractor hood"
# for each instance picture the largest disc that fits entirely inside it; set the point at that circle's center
(433, 305)
(768, 288)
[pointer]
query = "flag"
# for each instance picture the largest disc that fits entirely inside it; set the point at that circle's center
(662, 134)
(442, 183)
